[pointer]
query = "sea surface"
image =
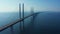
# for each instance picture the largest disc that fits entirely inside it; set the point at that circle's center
(47, 22)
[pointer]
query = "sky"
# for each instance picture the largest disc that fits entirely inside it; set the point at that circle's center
(38, 5)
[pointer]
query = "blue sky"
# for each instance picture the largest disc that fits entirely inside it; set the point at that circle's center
(39, 5)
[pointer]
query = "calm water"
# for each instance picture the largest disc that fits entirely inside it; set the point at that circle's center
(6, 18)
(44, 23)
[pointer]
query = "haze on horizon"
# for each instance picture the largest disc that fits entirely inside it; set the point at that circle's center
(39, 5)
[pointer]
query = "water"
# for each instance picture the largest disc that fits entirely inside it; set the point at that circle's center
(6, 18)
(44, 23)
(48, 23)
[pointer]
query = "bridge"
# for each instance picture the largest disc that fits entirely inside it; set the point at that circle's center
(41, 23)
(22, 18)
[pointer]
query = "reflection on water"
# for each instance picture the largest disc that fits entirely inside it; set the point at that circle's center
(44, 23)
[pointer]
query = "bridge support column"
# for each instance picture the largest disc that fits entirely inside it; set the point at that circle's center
(23, 16)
